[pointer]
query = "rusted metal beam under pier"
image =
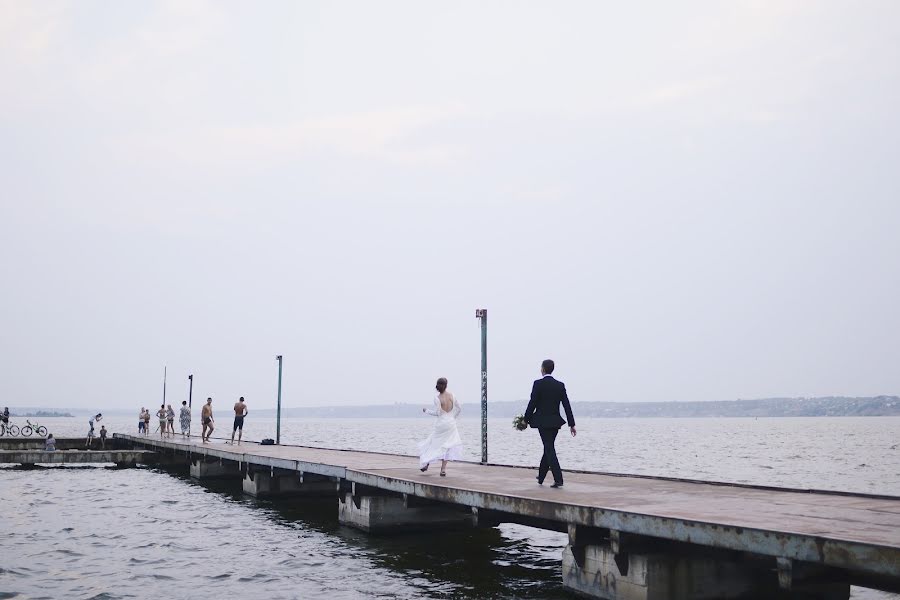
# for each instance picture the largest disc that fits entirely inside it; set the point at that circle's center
(799, 538)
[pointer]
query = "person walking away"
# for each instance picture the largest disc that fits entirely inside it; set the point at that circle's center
(50, 443)
(170, 420)
(185, 419)
(206, 418)
(161, 415)
(240, 411)
(543, 414)
(444, 443)
(146, 421)
(4, 416)
(90, 435)
(141, 420)
(103, 437)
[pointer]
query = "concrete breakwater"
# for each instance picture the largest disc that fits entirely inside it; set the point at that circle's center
(29, 452)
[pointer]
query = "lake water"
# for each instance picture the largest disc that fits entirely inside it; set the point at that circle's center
(142, 533)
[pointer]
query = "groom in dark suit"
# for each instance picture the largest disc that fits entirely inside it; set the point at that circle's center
(543, 414)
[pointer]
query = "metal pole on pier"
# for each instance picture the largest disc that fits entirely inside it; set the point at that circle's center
(278, 412)
(190, 395)
(164, 384)
(481, 314)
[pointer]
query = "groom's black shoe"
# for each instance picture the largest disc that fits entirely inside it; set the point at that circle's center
(540, 480)
(556, 484)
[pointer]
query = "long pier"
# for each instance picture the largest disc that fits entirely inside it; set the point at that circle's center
(630, 537)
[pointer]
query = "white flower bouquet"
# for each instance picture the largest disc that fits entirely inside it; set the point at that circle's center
(519, 423)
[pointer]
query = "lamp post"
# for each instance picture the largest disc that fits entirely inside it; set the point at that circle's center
(278, 412)
(481, 314)
(190, 396)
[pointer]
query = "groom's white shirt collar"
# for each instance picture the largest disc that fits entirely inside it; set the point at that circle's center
(548, 374)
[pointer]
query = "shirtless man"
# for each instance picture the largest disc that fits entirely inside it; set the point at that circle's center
(240, 411)
(206, 417)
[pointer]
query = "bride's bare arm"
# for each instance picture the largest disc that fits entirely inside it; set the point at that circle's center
(434, 411)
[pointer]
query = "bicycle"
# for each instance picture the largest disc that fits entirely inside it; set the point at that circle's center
(7, 429)
(34, 427)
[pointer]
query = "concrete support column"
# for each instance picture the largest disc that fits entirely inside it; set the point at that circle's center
(399, 514)
(269, 484)
(169, 460)
(600, 564)
(202, 469)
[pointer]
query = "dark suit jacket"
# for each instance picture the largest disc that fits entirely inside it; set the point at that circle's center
(543, 408)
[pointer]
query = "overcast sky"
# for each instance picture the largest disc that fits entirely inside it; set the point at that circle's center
(674, 200)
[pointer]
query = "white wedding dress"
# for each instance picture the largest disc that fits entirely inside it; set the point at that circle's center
(444, 442)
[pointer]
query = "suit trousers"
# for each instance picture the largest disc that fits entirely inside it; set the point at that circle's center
(549, 460)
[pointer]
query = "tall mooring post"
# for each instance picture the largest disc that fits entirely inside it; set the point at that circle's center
(278, 412)
(190, 395)
(481, 314)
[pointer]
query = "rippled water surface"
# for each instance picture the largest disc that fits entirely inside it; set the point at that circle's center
(104, 533)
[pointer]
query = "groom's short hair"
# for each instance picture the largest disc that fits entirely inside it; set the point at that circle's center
(548, 366)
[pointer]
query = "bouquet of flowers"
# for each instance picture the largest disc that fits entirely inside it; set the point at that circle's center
(519, 423)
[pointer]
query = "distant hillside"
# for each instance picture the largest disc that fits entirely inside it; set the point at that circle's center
(42, 413)
(829, 406)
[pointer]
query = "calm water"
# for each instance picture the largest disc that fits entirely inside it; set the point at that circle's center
(141, 533)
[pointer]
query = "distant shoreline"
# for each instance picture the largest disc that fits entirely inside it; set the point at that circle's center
(827, 406)
(41, 413)
(832, 406)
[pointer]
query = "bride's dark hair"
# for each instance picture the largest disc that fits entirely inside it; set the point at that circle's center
(441, 385)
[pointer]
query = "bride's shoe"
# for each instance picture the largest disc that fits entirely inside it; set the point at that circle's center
(423, 469)
(443, 473)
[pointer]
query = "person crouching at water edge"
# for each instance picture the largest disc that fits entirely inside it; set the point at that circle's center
(444, 443)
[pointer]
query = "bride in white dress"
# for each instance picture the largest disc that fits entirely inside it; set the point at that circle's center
(444, 443)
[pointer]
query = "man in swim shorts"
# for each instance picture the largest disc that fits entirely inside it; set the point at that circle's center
(240, 411)
(206, 417)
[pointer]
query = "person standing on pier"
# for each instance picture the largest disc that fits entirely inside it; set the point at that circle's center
(185, 419)
(206, 417)
(90, 435)
(240, 411)
(146, 421)
(444, 443)
(141, 428)
(170, 420)
(161, 415)
(543, 414)
(103, 437)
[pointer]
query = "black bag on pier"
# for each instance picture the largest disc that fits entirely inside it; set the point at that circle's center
(267, 442)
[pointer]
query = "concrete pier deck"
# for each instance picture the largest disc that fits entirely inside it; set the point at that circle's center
(855, 535)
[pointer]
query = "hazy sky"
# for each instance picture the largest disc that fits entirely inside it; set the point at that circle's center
(675, 200)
